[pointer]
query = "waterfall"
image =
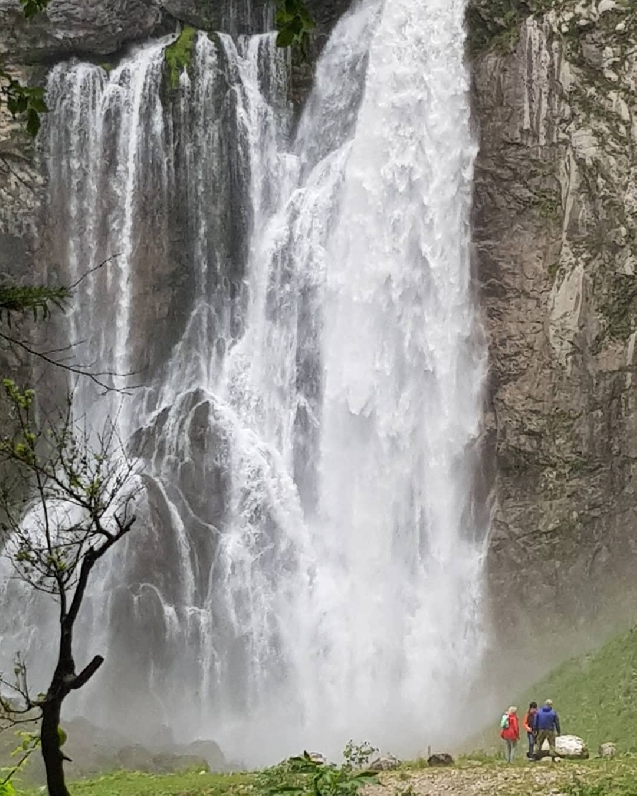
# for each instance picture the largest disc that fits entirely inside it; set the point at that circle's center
(296, 301)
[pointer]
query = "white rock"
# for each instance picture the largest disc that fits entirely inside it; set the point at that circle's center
(384, 763)
(606, 5)
(569, 746)
(565, 309)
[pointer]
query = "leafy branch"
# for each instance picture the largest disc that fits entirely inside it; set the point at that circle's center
(310, 775)
(37, 299)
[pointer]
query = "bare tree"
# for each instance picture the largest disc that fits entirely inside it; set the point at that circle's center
(66, 501)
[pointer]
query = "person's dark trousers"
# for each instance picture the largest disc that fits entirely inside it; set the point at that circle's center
(531, 737)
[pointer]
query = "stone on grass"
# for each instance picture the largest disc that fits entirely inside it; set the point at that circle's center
(384, 763)
(607, 750)
(440, 759)
(606, 5)
(571, 747)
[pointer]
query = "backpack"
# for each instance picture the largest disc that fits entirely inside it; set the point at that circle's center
(504, 722)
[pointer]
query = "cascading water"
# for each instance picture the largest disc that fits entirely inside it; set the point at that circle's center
(310, 564)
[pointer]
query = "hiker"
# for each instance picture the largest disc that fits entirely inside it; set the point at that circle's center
(547, 726)
(527, 723)
(510, 732)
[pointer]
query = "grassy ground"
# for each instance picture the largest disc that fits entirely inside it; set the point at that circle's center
(596, 694)
(190, 783)
(470, 777)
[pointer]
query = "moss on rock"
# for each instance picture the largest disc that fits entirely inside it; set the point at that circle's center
(178, 55)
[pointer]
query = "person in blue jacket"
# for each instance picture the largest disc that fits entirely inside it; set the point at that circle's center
(547, 726)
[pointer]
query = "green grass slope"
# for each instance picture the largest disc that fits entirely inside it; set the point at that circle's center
(131, 783)
(595, 695)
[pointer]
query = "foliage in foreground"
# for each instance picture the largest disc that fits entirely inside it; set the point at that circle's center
(586, 778)
(306, 774)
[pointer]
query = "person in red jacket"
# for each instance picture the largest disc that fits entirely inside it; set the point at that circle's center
(510, 732)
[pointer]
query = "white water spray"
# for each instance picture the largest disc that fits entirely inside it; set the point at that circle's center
(311, 567)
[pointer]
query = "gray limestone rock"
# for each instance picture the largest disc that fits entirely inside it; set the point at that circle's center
(555, 231)
(74, 26)
(440, 759)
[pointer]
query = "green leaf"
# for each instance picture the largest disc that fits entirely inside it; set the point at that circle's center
(285, 38)
(38, 104)
(32, 7)
(282, 18)
(296, 26)
(308, 22)
(17, 103)
(294, 22)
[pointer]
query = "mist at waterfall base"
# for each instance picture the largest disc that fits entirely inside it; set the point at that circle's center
(308, 563)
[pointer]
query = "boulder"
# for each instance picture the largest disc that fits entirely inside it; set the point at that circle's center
(440, 759)
(571, 747)
(171, 763)
(205, 750)
(608, 750)
(384, 763)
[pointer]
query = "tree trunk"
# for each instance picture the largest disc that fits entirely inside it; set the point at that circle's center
(51, 752)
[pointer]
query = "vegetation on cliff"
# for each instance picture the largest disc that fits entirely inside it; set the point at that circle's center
(178, 55)
(18, 98)
(495, 24)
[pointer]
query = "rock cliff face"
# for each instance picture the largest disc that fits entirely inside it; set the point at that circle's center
(555, 98)
(556, 246)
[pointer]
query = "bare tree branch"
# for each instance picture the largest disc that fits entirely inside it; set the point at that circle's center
(91, 271)
(85, 675)
(95, 377)
(82, 491)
